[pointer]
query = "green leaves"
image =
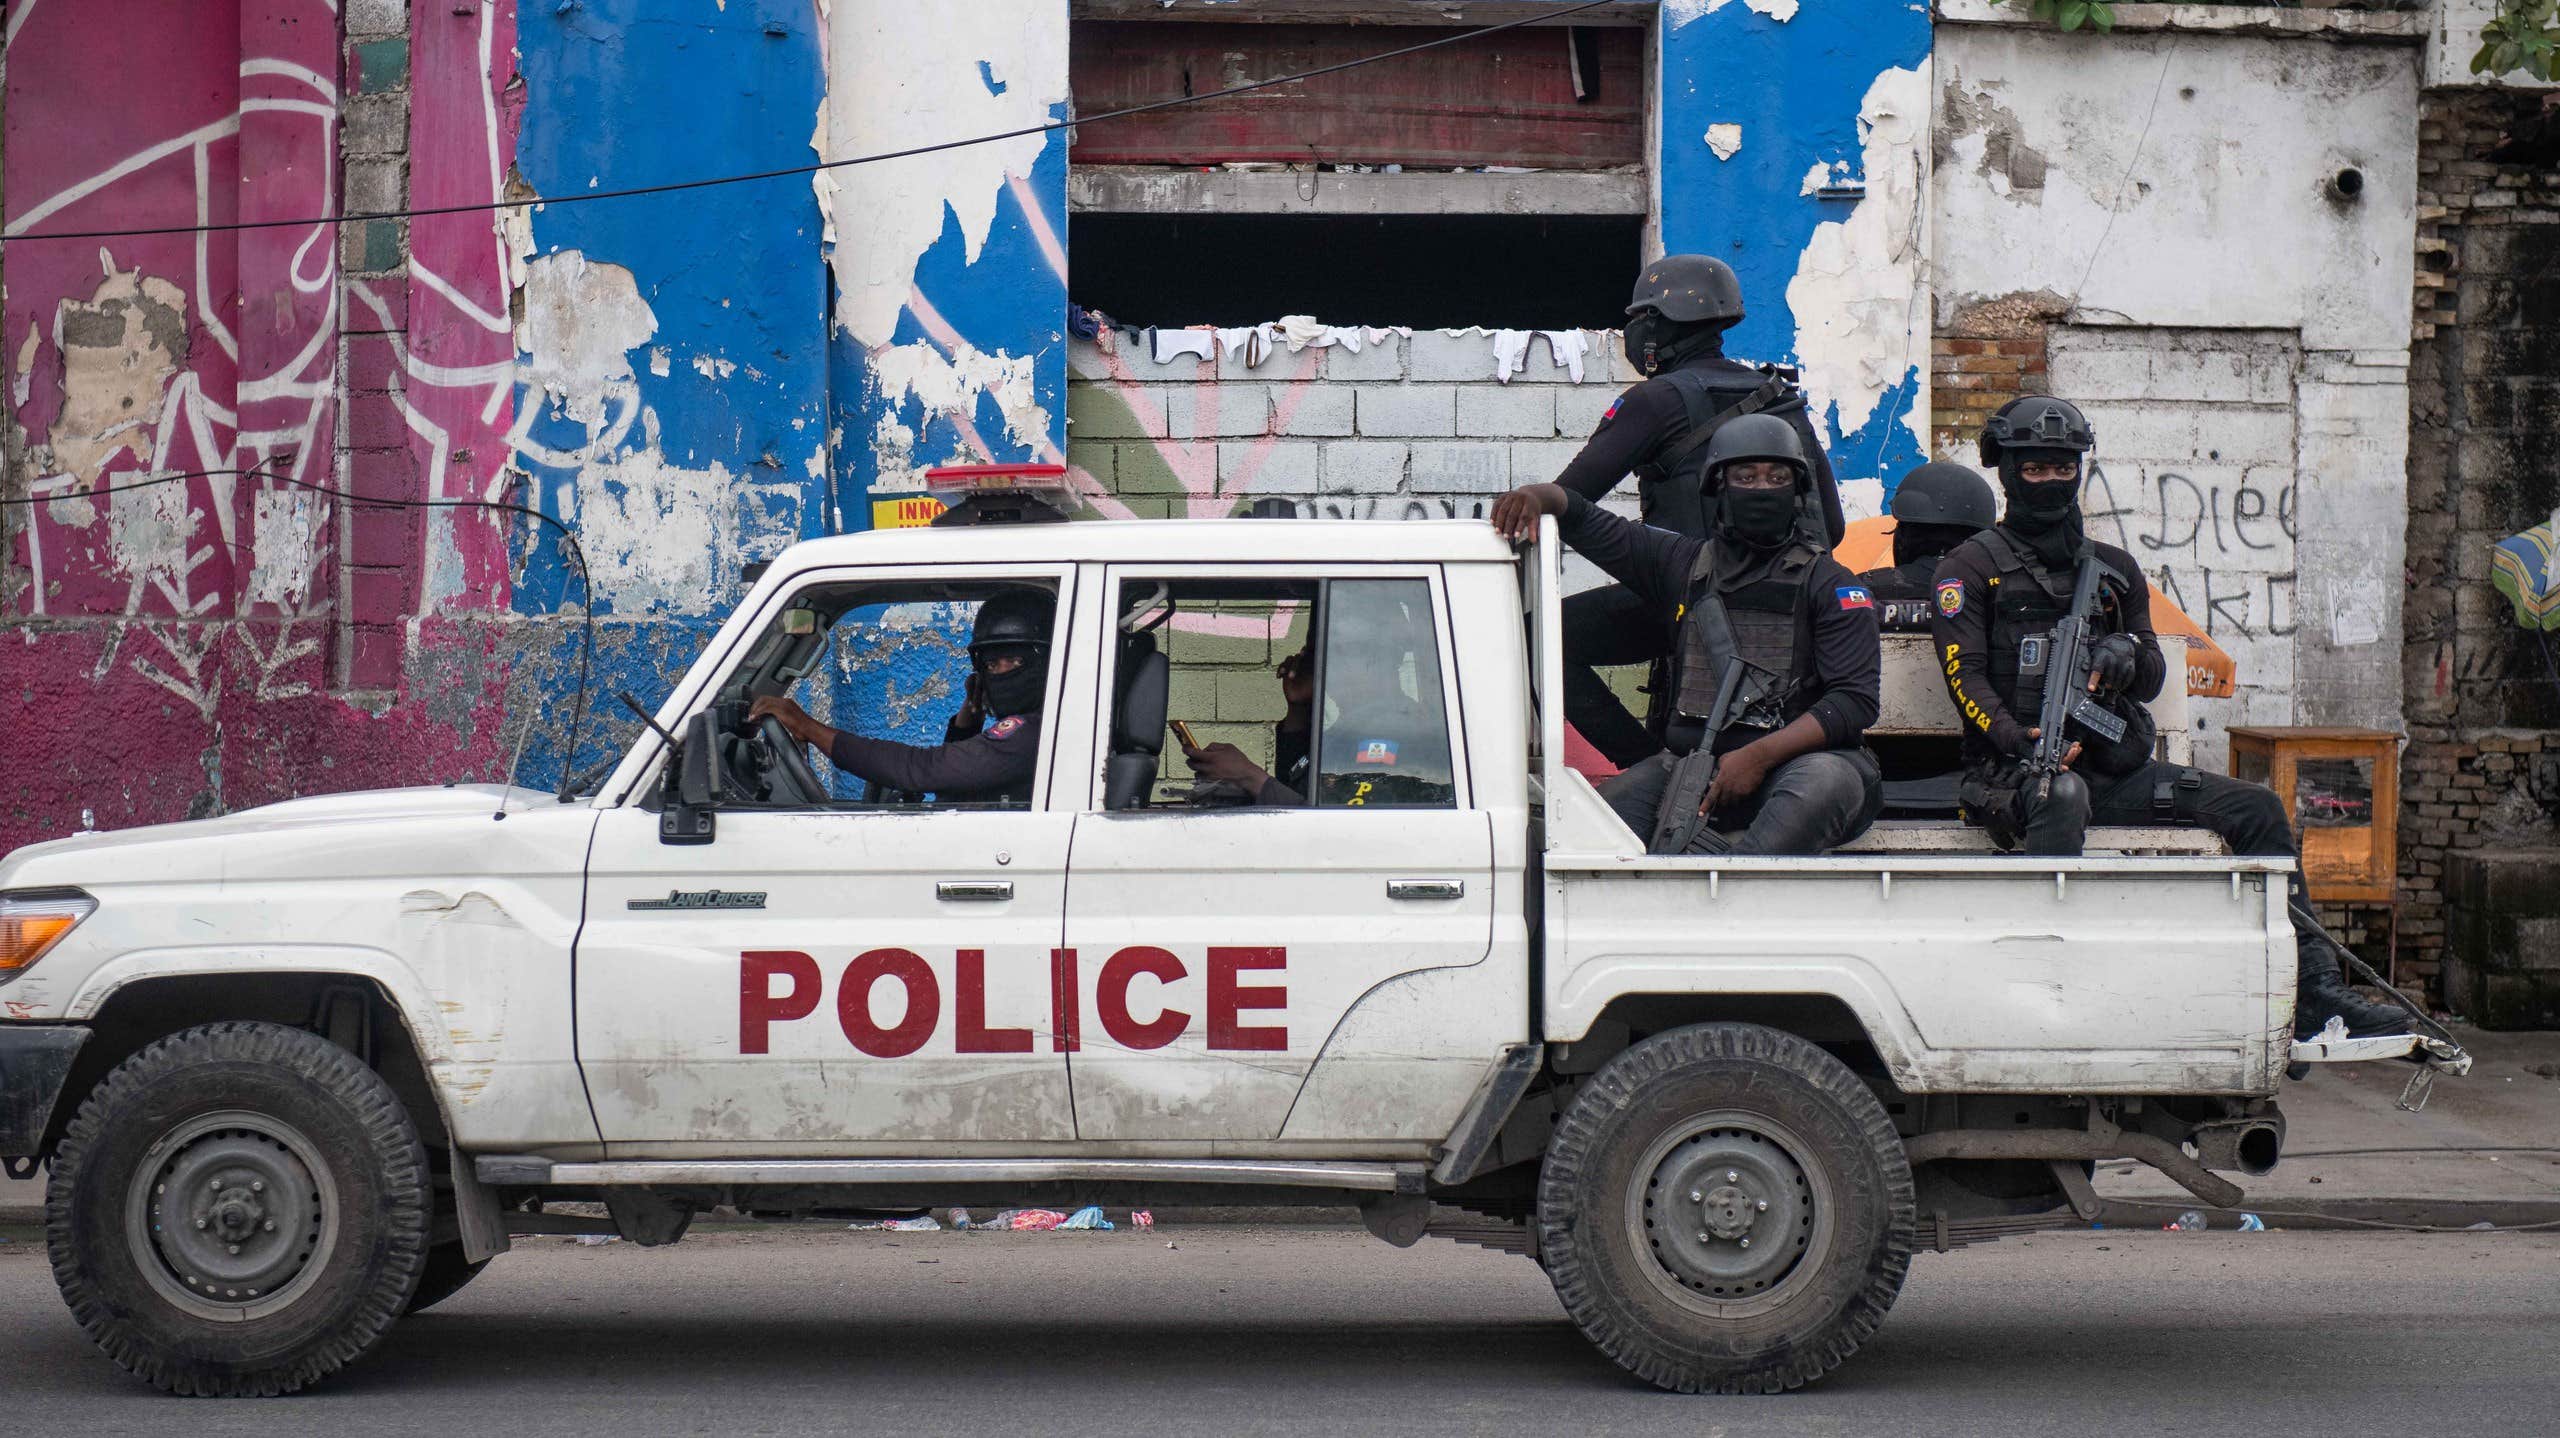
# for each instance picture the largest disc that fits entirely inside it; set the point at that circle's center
(2095, 14)
(2522, 36)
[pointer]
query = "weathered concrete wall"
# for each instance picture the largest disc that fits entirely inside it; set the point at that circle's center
(2162, 215)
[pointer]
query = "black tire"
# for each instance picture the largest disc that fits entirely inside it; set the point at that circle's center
(445, 1274)
(1674, 1159)
(330, 1239)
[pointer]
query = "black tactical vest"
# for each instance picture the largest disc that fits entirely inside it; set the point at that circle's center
(1771, 627)
(1675, 498)
(2029, 601)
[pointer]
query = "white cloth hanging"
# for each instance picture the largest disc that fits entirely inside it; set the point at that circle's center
(1199, 344)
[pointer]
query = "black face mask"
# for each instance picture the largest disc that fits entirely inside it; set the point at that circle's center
(1019, 692)
(2047, 515)
(1646, 334)
(1759, 518)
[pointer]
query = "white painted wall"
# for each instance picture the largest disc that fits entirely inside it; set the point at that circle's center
(2234, 325)
(2223, 219)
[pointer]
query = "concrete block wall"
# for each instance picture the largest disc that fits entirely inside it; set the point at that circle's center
(1411, 427)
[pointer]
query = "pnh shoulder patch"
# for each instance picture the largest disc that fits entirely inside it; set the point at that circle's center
(1006, 728)
(1951, 597)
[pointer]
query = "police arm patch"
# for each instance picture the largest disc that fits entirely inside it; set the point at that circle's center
(1951, 597)
(1855, 596)
(1006, 728)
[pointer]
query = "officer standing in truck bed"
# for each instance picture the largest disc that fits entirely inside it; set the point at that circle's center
(1657, 431)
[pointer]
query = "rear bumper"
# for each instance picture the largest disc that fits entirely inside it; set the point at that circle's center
(35, 1060)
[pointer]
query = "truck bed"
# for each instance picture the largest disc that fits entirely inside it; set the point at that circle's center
(2123, 972)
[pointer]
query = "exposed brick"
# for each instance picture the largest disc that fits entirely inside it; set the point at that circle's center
(376, 66)
(374, 186)
(374, 125)
(376, 17)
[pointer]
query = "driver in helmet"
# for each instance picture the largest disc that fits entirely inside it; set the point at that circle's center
(977, 762)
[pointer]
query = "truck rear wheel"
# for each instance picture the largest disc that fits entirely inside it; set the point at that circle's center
(1725, 1208)
(238, 1210)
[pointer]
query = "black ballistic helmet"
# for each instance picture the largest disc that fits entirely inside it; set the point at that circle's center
(1755, 437)
(1943, 492)
(1687, 289)
(1017, 618)
(2036, 421)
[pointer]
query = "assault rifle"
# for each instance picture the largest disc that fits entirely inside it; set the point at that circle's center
(2065, 664)
(1684, 800)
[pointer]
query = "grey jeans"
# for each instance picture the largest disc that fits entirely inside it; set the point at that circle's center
(1811, 803)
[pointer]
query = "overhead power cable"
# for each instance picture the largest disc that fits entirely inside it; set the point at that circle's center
(568, 538)
(675, 186)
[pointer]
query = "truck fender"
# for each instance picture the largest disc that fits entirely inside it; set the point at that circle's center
(385, 970)
(1596, 984)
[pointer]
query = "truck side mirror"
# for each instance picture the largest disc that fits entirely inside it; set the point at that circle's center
(692, 787)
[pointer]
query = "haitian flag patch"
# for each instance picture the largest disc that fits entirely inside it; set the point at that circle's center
(1855, 596)
(1376, 751)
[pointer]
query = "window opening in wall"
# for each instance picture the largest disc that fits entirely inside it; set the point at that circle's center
(1427, 271)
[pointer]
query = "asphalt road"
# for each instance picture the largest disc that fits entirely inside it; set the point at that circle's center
(1226, 1330)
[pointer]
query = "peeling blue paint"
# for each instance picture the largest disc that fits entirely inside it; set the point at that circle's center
(1795, 88)
(619, 94)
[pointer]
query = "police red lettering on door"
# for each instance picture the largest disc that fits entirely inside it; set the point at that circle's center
(1143, 998)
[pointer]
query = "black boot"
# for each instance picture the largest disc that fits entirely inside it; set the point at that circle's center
(2321, 991)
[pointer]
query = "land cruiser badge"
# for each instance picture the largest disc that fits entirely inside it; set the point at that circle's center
(701, 899)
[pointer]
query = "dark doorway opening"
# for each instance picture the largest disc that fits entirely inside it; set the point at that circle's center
(1427, 271)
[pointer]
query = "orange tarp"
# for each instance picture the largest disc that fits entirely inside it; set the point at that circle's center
(2210, 672)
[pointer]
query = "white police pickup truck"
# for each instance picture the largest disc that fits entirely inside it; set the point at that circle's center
(301, 1070)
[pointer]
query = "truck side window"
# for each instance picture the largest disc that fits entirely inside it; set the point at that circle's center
(1384, 727)
(1281, 721)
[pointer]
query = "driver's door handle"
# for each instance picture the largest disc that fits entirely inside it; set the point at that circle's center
(974, 890)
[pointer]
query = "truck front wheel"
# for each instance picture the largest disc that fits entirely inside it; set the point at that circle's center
(239, 1209)
(1725, 1208)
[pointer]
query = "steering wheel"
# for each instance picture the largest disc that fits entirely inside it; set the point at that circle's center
(788, 770)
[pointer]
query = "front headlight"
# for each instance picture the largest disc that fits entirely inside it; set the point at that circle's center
(33, 921)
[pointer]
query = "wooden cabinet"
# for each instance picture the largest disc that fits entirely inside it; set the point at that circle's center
(2342, 789)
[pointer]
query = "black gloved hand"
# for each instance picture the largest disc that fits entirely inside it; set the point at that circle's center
(2111, 663)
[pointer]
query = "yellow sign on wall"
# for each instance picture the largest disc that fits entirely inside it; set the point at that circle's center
(907, 511)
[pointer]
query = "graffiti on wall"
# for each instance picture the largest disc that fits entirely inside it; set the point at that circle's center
(216, 615)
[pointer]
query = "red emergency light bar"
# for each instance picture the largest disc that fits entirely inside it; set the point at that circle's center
(1000, 493)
